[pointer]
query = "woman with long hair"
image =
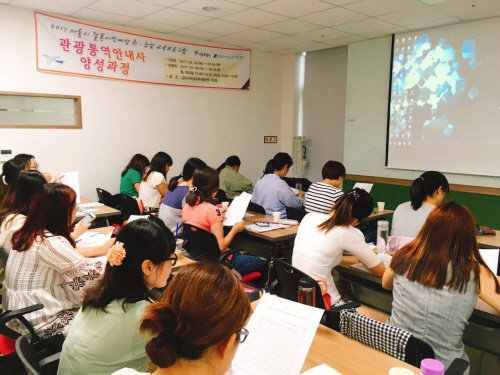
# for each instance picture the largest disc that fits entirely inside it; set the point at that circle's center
(43, 265)
(201, 212)
(154, 186)
(198, 325)
(426, 192)
(436, 280)
(178, 187)
(322, 239)
(272, 192)
(231, 180)
(103, 336)
(132, 175)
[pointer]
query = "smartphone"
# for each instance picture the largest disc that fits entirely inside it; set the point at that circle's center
(88, 218)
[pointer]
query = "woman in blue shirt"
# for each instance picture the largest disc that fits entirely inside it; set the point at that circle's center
(272, 192)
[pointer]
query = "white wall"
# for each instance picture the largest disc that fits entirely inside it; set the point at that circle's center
(324, 107)
(122, 118)
(368, 71)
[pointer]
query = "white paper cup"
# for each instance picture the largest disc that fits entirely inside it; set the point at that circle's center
(225, 204)
(400, 371)
(276, 217)
(380, 206)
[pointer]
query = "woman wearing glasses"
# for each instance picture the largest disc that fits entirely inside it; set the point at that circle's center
(199, 324)
(104, 336)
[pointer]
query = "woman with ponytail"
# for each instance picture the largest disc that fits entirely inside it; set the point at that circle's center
(104, 336)
(197, 327)
(322, 239)
(171, 207)
(426, 192)
(231, 180)
(272, 192)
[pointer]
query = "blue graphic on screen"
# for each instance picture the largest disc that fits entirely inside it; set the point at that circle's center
(426, 76)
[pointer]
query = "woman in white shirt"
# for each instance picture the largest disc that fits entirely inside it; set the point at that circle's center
(43, 265)
(322, 239)
(154, 185)
(426, 192)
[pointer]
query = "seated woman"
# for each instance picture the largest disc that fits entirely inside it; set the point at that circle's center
(321, 196)
(104, 335)
(153, 186)
(436, 280)
(198, 325)
(231, 180)
(10, 172)
(201, 212)
(171, 207)
(30, 164)
(426, 192)
(271, 192)
(322, 239)
(43, 265)
(132, 175)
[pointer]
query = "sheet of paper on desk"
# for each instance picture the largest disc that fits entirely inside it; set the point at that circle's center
(258, 228)
(490, 257)
(136, 217)
(237, 209)
(321, 370)
(72, 179)
(89, 239)
(363, 185)
(248, 214)
(90, 205)
(281, 333)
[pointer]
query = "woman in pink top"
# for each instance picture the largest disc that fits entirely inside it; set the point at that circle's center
(201, 212)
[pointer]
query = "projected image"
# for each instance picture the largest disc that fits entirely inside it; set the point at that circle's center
(424, 77)
(444, 109)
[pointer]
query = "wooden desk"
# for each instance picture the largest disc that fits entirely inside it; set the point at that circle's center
(273, 236)
(102, 211)
(347, 356)
(489, 240)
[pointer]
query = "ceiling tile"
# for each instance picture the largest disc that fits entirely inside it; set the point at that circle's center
(291, 26)
(434, 23)
(364, 26)
(235, 42)
(481, 14)
(164, 3)
(176, 17)
(4, 1)
(426, 13)
(95, 15)
(254, 17)
(45, 5)
(332, 17)
(256, 35)
(151, 25)
(219, 27)
(323, 34)
(380, 7)
(464, 7)
(203, 35)
(250, 3)
(381, 33)
(310, 46)
(78, 3)
(340, 2)
(260, 47)
(345, 41)
(295, 8)
(224, 7)
(287, 41)
(130, 8)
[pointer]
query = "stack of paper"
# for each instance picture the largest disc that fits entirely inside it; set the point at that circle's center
(280, 334)
(89, 239)
(237, 209)
(260, 229)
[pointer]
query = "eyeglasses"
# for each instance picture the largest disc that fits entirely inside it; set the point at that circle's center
(173, 258)
(242, 335)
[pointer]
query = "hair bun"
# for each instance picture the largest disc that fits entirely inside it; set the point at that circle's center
(161, 323)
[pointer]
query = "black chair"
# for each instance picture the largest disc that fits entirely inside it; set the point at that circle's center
(254, 207)
(221, 196)
(127, 205)
(295, 213)
(106, 198)
(293, 181)
(36, 361)
(288, 278)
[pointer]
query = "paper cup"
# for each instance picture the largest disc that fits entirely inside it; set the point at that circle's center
(276, 217)
(225, 204)
(400, 371)
(380, 206)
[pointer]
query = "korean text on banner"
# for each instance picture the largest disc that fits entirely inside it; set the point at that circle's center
(71, 47)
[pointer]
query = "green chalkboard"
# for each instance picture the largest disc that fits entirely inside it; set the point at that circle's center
(485, 208)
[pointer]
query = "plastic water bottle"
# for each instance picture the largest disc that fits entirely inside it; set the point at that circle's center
(382, 235)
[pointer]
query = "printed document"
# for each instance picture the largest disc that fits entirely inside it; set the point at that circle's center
(321, 370)
(363, 185)
(237, 209)
(73, 181)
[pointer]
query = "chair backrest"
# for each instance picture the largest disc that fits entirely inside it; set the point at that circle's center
(127, 205)
(254, 207)
(292, 182)
(288, 282)
(40, 357)
(221, 196)
(201, 245)
(105, 197)
(27, 356)
(386, 338)
(295, 213)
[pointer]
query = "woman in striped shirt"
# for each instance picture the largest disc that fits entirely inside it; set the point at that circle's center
(321, 196)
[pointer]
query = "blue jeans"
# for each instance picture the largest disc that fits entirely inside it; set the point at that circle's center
(245, 264)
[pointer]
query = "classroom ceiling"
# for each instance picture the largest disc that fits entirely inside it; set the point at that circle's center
(279, 26)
